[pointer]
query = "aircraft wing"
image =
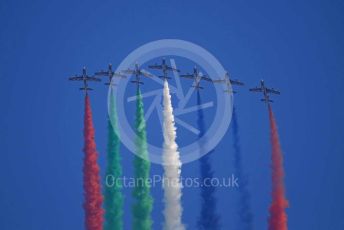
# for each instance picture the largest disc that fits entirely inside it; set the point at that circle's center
(76, 78)
(219, 81)
(257, 89)
(173, 69)
(189, 76)
(236, 82)
(206, 78)
(128, 71)
(272, 90)
(146, 74)
(92, 79)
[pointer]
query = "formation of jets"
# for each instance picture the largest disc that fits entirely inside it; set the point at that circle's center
(196, 76)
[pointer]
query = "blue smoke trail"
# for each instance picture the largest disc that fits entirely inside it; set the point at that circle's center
(244, 212)
(208, 219)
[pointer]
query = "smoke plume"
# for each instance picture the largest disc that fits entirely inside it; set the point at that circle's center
(113, 198)
(278, 216)
(142, 207)
(245, 212)
(172, 168)
(92, 189)
(208, 219)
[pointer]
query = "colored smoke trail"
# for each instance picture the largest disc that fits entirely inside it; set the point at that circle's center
(113, 198)
(278, 216)
(92, 189)
(208, 219)
(172, 168)
(245, 213)
(142, 207)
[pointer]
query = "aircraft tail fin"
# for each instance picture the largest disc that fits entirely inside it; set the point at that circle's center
(197, 87)
(137, 82)
(266, 100)
(86, 88)
(163, 77)
(108, 83)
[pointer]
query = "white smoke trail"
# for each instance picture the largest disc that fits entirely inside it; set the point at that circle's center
(172, 168)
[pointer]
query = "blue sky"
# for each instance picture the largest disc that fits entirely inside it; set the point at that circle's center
(296, 46)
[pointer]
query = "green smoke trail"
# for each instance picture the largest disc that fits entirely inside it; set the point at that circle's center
(113, 198)
(143, 201)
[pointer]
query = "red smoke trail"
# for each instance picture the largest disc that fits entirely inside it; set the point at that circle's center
(278, 216)
(92, 190)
